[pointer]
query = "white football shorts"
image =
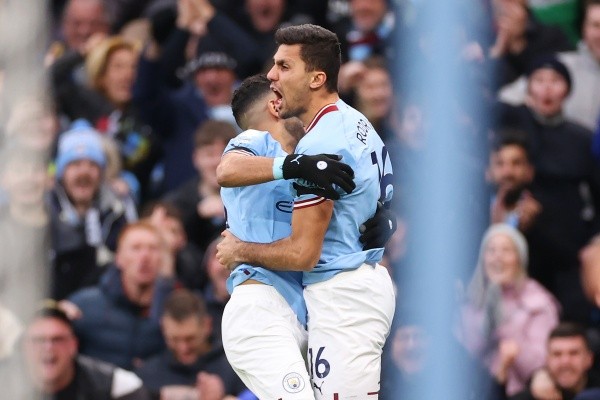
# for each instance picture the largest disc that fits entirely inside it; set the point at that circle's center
(349, 319)
(265, 343)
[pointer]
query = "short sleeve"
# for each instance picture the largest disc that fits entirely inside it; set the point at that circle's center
(250, 142)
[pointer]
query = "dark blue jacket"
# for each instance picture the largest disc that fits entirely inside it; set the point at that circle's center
(174, 115)
(164, 369)
(114, 329)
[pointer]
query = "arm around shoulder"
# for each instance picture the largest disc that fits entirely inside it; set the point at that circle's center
(237, 169)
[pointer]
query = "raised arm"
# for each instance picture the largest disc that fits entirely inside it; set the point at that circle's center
(298, 252)
(239, 167)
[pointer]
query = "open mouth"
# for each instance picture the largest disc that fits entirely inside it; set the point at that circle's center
(279, 98)
(276, 91)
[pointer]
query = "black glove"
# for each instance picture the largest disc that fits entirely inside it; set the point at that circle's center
(376, 231)
(323, 170)
(329, 193)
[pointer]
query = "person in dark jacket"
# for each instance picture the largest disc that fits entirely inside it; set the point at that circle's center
(118, 320)
(566, 184)
(86, 216)
(57, 372)
(102, 93)
(191, 354)
(568, 369)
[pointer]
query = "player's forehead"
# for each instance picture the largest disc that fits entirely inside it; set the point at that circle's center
(288, 54)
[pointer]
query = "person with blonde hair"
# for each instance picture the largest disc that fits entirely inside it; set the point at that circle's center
(105, 99)
(507, 316)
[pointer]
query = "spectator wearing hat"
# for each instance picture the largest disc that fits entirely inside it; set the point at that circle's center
(583, 103)
(104, 98)
(86, 216)
(209, 81)
(566, 183)
(49, 360)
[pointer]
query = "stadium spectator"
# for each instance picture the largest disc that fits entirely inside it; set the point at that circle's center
(86, 216)
(511, 173)
(23, 224)
(56, 371)
(80, 20)
(214, 76)
(508, 316)
(410, 358)
(188, 257)
(176, 113)
(248, 35)
(566, 184)
(199, 199)
(568, 367)
(373, 96)
(118, 320)
(367, 31)
(582, 105)
(105, 99)
(520, 38)
(187, 329)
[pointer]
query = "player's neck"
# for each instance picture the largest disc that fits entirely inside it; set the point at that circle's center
(288, 133)
(318, 101)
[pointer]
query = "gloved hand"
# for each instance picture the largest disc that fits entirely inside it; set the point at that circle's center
(376, 231)
(329, 193)
(323, 170)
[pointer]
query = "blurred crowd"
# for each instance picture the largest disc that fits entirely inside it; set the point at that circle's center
(112, 173)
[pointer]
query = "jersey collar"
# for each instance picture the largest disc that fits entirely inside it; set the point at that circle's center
(326, 109)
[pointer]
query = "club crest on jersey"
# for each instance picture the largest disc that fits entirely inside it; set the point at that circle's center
(293, 383)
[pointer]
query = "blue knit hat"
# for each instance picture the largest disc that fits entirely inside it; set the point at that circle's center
(80, 142)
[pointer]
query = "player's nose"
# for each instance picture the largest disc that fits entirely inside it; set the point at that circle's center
(272, 74)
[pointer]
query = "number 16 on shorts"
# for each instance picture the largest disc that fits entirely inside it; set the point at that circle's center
(319, 366)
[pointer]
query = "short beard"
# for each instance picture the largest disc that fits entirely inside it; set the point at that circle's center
(289, 113)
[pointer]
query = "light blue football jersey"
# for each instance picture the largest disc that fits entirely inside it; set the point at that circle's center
(340, 129)
(262, 214)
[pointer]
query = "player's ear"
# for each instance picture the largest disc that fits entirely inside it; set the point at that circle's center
(273, 109)
(318, 79)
